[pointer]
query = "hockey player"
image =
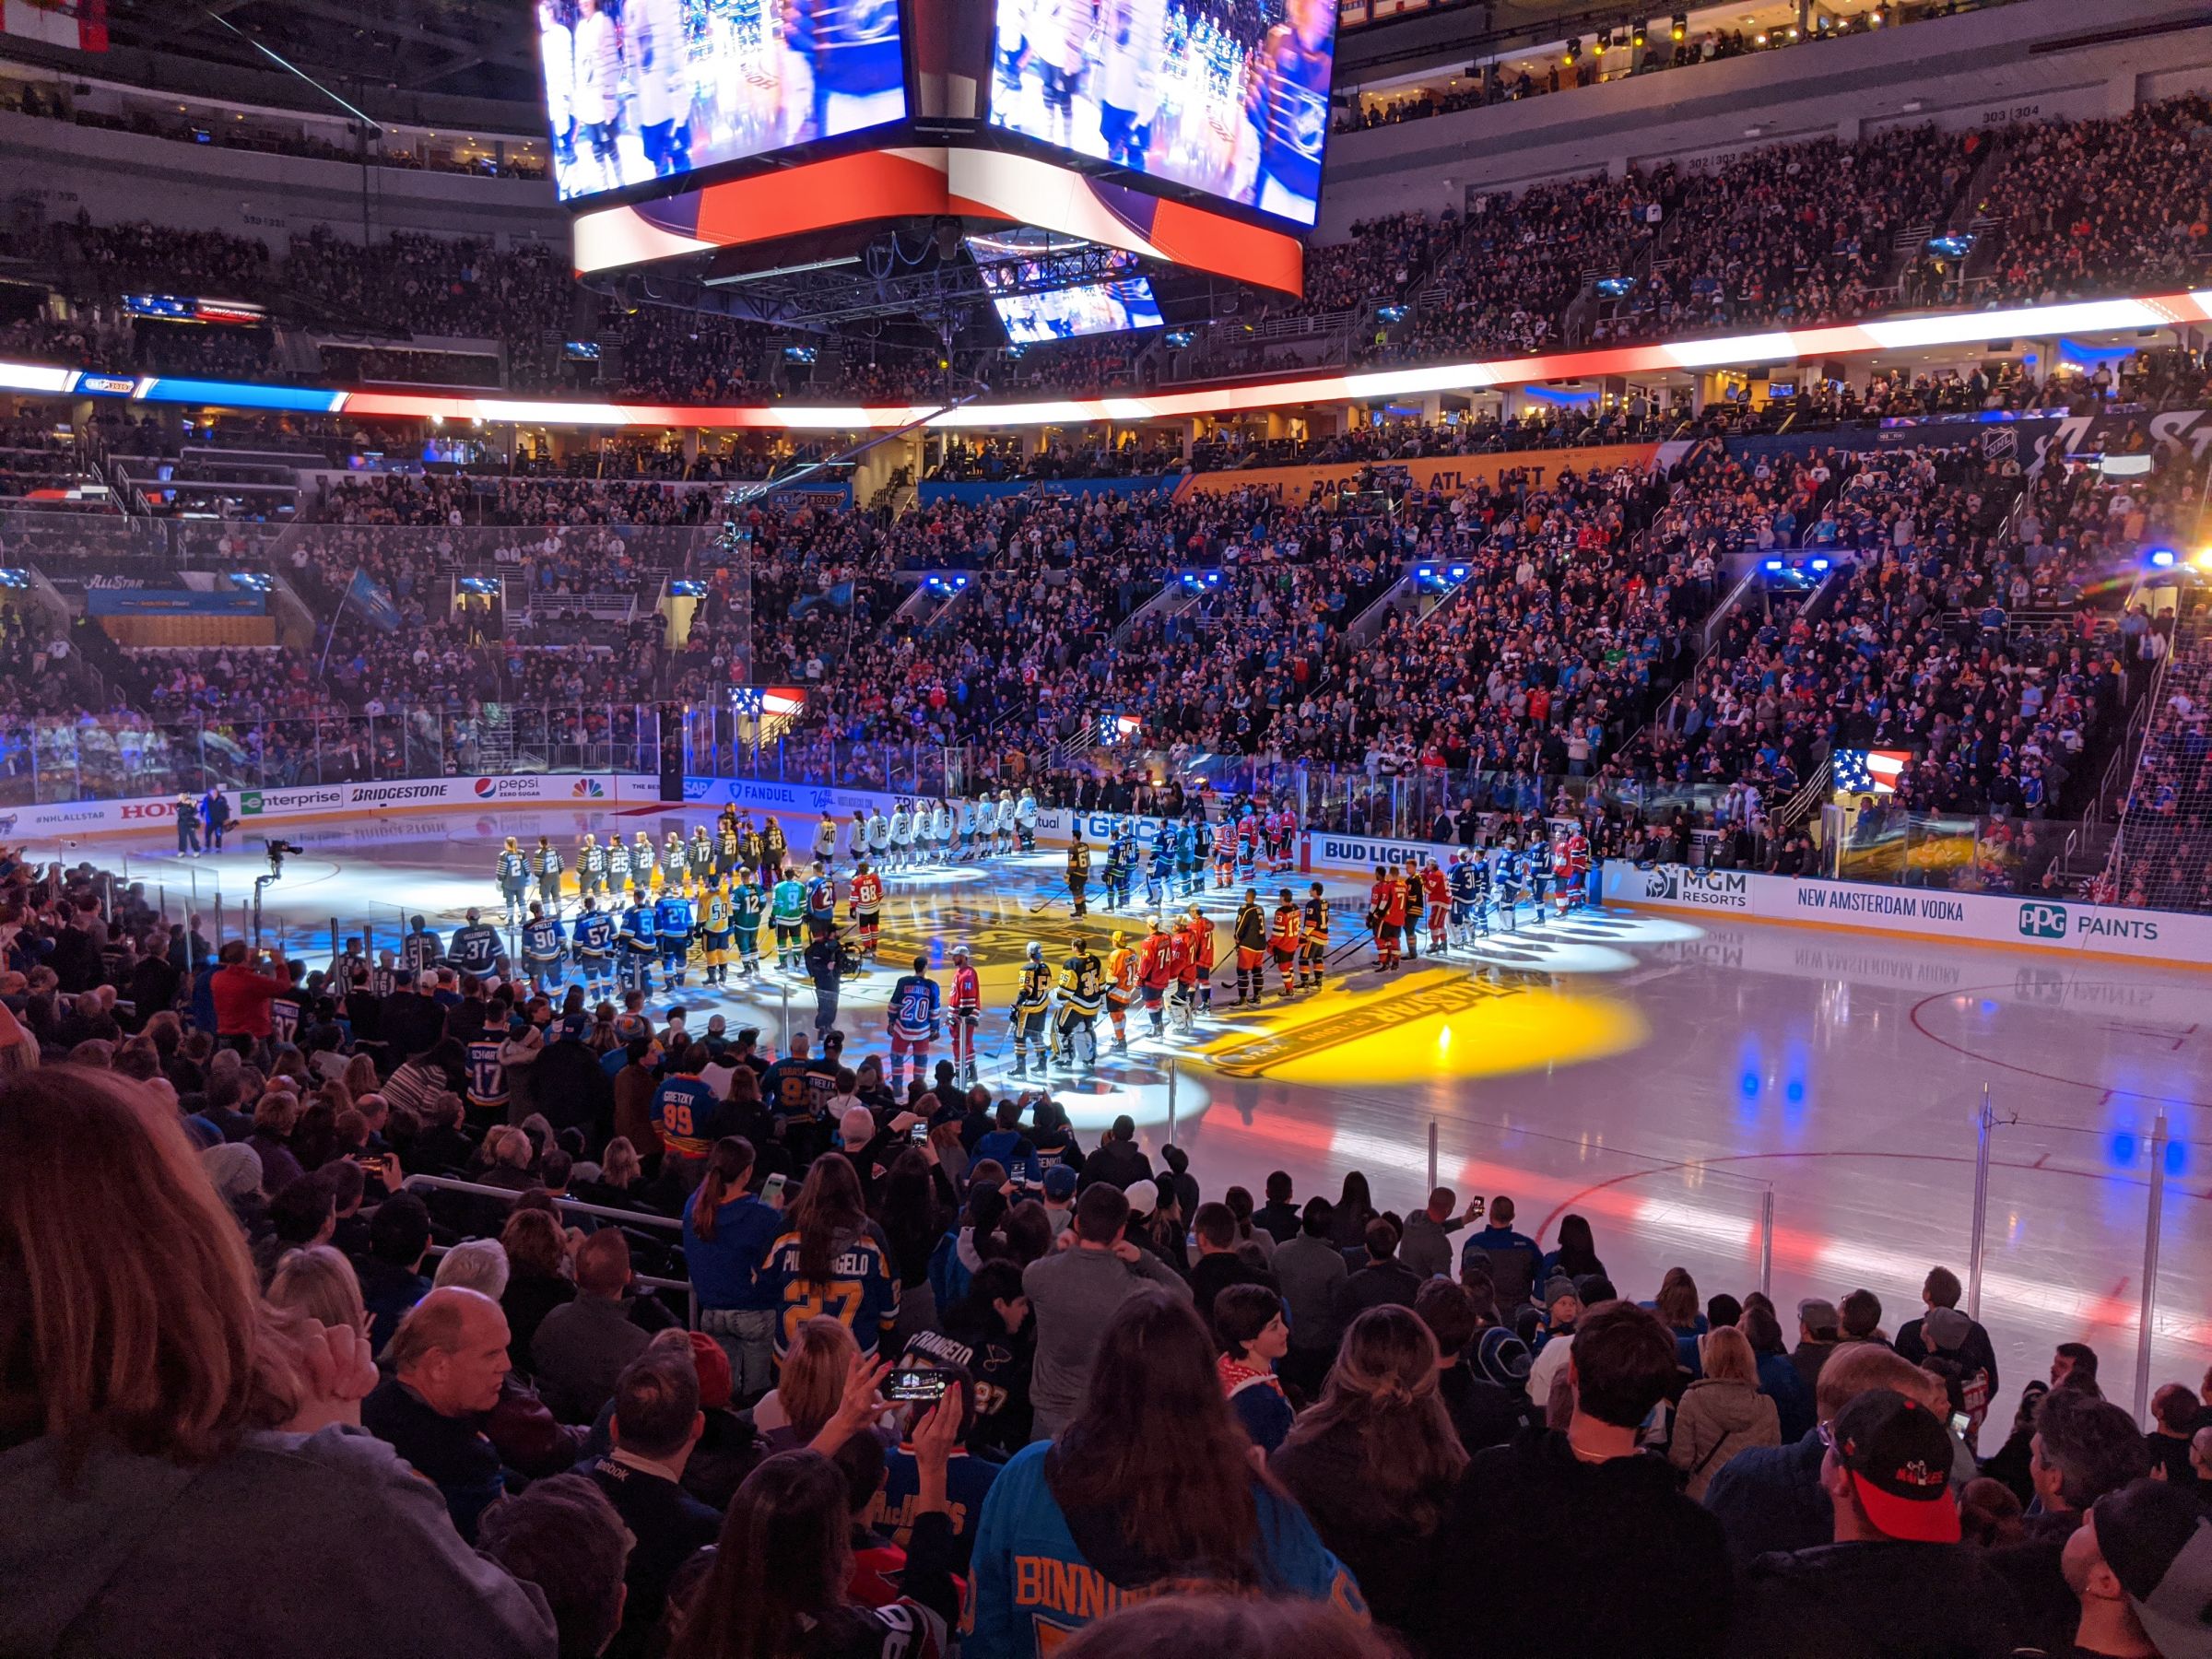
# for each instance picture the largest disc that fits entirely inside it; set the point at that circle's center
(824, 841)
(1313, 937)
(1028, 1018)
(639, 944)
(1117, 870)
(1182, 988)
(1540, 869)
(475, 947)
(383, 977)
(1079, 874)
(775, 852)
(748, 904)
(1002, 824)
(856, 835)
(1187, 860)
(715, 931)
(1285, 937)
(644, 864)
(1225, 857)
(902, 835)
(967, 1013)
(963, 828)
(1082, 994)
(1160, 871)
(701, 855)
(546, 864)
(752, 847)
(1202, 835)
(542, 949)
(879, 839)
(787, 916)
(1386, 917)
(348, 962)
(1200, 932)
(1410, 880)
(676, 863)
(1575, 868)
(1155, 970)
(867, 907)
(1282, 828)
(514, 880)
(913, 1014)
(1251, 935)
(1508, 884)
(596, 948)
(1465, 881)
(591, 867)
(821, 902)
(1248, 850)
(671, 927)
(617, 868)
(940, 832)
(1121, 989)
(1437, 892)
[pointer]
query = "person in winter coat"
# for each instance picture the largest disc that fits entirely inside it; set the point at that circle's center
(1722, 1412)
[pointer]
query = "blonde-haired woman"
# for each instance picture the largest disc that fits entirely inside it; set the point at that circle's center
(1375, 1463)
(1722, 1412)
(809, 1385)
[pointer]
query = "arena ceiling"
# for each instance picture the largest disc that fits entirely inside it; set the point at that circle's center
(456, 48)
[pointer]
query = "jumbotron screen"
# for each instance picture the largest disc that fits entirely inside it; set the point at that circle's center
(1086, 309)
(643, 89)
(1229, 99)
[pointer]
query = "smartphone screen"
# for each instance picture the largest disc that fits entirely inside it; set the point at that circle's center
(1479, 1205)
(771, 1190)
(919, 1133)
(917, 1384)
(1960, 1422)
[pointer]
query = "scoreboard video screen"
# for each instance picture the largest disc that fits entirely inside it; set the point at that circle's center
(1231, 100)
(643, 89)
(1088, 308)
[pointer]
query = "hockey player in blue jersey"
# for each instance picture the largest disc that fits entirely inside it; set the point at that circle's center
(640, 942)
(1187, 860)
(672, 929)
(475, 947)
(1121, 856)
(421, 950)
(1160, 872)
(1468, 879)
(1539, 868)
(542, 949)
(1508, 885)
(595, 947)
(913, 1014)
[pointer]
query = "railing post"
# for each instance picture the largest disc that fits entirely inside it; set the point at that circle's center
(2153, 1224)
(1433, 1161)
(1766, 1242)
(1982, 1126)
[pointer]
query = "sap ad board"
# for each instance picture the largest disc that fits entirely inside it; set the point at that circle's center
(2024, 921)
(1434, 472)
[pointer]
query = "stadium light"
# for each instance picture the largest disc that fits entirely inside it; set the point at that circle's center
(1679, 27)
(1771, 565)
(1820, 564)
(1426, 573)
(1459, 572)
(1642, 28)
(2162, 559)
(2204, 561)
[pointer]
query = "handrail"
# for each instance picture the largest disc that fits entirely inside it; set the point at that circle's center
(452, 1183)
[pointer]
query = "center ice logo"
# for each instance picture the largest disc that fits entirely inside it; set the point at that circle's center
(2043, 922)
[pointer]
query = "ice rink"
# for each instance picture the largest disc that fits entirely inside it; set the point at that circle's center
(1658, 1075)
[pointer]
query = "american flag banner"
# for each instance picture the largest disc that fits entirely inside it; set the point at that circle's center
(1869, 771)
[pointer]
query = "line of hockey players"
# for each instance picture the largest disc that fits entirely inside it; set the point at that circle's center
(1475, 892)
(1175, 860)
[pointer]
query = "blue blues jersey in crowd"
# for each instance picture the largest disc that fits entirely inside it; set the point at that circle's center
(284, 1019)
(487, 1075)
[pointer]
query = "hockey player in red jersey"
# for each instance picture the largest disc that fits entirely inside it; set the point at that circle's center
(967, 1011)
(1437, 891)
(1182, 990)
(867, 906)
(1155, 970)
(1387, 916)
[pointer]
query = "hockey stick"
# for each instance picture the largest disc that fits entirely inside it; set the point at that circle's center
(1047, 902)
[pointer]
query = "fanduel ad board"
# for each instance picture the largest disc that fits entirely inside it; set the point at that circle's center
(1229, 100)
(643, 89)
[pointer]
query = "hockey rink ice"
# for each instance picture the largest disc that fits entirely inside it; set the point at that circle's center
(1659, 1076)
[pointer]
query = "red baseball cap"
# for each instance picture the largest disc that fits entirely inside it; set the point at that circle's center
(1899, 1457)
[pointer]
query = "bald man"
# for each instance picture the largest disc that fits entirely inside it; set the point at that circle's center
(449, 1357)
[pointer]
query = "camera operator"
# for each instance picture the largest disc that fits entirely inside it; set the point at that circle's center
(246, 981)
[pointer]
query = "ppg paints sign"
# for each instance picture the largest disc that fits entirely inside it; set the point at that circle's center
(2037, 925)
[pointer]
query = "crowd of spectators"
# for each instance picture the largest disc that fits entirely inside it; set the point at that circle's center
(1780, 235)
(2163, 856)
(1139, 1407)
